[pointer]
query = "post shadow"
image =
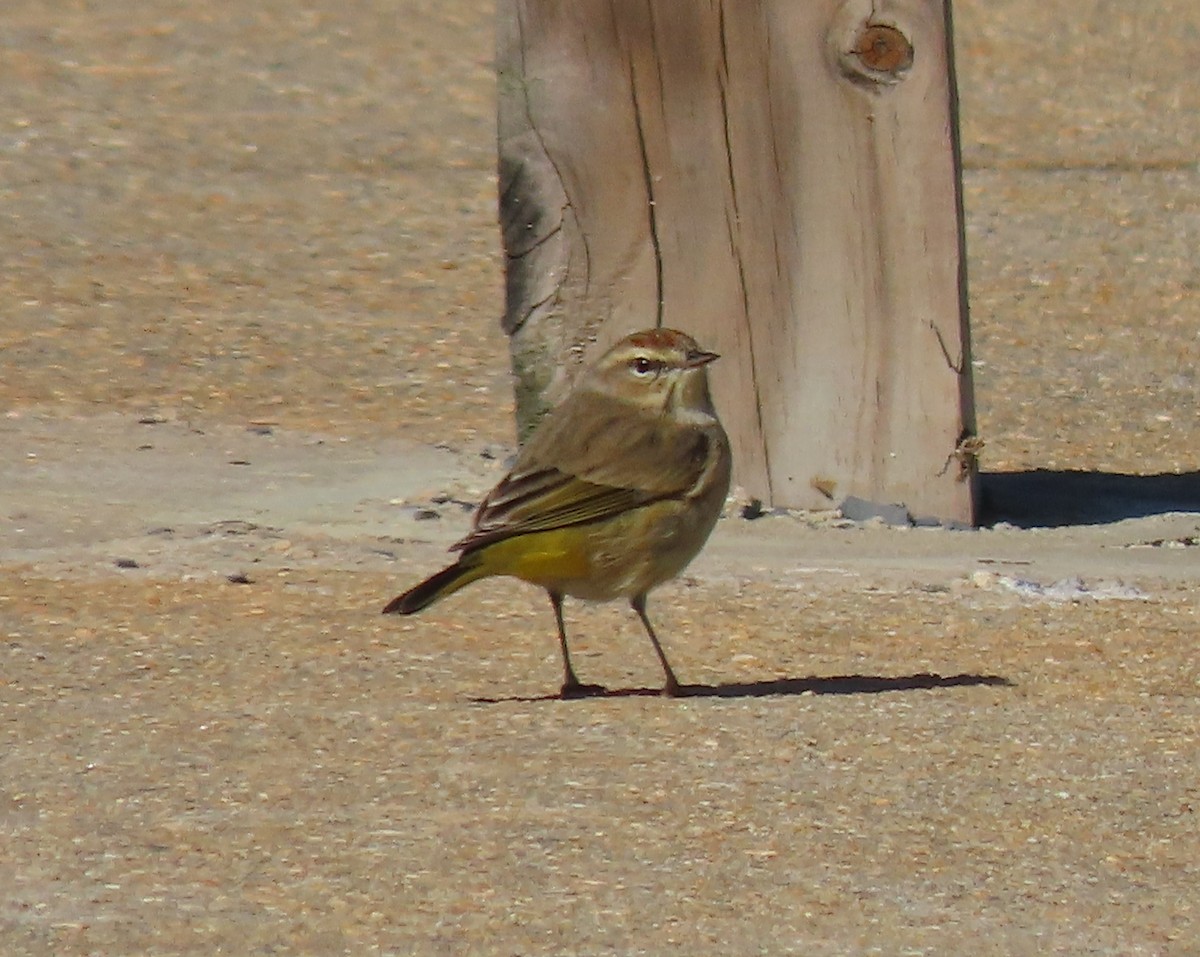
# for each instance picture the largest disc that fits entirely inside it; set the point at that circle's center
(1048, 498)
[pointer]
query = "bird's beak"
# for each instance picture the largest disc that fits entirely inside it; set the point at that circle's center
(697, 358)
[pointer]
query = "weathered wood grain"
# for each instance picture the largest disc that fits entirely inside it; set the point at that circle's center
(779, 179)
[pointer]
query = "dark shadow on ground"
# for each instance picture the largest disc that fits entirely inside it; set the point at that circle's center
(1043, 498)
(832, 684)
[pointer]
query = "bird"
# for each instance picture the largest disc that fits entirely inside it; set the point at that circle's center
(614, 493)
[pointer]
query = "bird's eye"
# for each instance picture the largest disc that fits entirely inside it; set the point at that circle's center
(641, 366)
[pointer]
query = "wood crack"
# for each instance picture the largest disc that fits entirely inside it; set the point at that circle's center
(581, 233)
(958, 366)
(648, 179)
(536, 244)
(735, 247)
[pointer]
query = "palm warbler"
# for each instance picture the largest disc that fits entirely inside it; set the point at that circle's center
(614, 493)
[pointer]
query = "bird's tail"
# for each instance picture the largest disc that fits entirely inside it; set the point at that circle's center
(449, 580)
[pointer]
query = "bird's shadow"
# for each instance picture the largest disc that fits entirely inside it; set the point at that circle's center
(784, 687)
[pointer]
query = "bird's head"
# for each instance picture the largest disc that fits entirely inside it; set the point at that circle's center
(656, 369)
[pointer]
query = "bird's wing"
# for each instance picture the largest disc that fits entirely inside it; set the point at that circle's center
(618, 445)
(545, 500)
(570, 475)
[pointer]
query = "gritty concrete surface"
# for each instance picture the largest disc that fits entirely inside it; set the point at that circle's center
(251, 382)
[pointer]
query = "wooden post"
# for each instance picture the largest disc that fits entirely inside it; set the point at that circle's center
(779, 179)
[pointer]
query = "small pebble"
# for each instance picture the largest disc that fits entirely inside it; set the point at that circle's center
(753, 509)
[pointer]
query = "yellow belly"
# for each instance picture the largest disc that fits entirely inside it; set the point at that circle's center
(617, 557)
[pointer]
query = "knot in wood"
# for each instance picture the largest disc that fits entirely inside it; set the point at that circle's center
(882, 52)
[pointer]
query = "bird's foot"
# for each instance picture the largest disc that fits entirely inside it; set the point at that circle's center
(672, 689)
(576, 689)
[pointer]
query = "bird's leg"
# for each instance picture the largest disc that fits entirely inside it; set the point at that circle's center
(572, 687)
(671, 688)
